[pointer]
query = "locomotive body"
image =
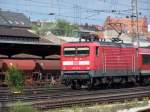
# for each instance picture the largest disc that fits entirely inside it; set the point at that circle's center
(99, 63)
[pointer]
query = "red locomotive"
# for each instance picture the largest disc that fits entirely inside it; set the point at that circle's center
(104, 63)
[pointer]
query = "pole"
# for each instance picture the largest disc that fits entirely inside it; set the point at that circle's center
(137, 23)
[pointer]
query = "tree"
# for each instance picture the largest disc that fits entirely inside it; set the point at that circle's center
(64, 28)
(15, 79)
(43, 28)
(60, 28)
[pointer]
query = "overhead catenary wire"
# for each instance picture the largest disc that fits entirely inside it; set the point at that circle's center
(82, 12)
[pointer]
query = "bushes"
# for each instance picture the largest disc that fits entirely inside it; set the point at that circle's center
(15, 79)
(21, 108)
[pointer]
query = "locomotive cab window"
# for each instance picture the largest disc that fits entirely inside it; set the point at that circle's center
(83, 51)
(76, 51)
(146, 59)
(69, 51)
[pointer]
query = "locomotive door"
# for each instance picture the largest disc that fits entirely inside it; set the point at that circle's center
(103, 61)
(135, 61)
(96, 59)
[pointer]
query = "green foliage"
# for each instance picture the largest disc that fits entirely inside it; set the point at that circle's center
(60, 28)
(15, 79)
(64, 28)
(21, 108)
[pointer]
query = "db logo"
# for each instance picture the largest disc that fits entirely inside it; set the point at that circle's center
(76, 63)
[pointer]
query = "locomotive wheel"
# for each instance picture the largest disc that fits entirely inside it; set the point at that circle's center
(73, 87)
(146, 81)
(76, 85)
(90, 84)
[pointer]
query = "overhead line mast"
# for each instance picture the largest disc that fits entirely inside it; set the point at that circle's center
(135, 21)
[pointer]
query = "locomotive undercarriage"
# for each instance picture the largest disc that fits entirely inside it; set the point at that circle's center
(106, 81)
(90, 81)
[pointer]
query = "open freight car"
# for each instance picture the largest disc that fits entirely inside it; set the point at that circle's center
(37, 72)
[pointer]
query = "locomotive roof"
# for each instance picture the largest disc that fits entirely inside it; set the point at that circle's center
(104, 44)
(116, 44)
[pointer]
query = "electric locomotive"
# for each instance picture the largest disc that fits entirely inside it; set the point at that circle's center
(92, 63)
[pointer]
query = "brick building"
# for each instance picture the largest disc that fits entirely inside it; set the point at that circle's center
(125, 26)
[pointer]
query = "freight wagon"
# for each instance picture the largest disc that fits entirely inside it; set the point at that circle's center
(37, 72)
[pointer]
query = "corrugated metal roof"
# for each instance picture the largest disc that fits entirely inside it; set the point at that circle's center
(25, 56)
(17, 32)
(54, 39)
(13, 19)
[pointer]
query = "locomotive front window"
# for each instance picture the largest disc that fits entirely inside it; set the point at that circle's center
(69, 51)
(83, 51)
(76, 51)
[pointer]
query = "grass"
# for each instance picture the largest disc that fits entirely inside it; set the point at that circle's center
(19, 107)
(105, 107)
(22, 108)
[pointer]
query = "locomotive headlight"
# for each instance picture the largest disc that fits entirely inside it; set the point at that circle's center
(88, 68)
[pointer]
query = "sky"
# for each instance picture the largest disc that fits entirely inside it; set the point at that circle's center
(75, 11)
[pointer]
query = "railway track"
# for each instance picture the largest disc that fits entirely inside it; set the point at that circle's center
(89, 99)
(63, 97)
(62, 92)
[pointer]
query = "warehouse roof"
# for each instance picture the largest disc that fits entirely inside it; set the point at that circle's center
(34, 48)
(13, 19)
(16, 32)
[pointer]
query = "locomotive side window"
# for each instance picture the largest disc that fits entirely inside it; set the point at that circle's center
(146, 59)
(69, 51)
(83, 51)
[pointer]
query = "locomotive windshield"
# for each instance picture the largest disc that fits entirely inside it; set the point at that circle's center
(76, 51)
(70, 51)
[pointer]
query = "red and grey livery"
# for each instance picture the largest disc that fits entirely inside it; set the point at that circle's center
(97, 63)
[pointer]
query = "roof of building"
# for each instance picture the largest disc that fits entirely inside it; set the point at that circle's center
(53, 39)
(34, 48)
(44, 40)
(25, 56)
(98, 34)
(13, 19)
(53, 57)
(16, 32)
(90, 28)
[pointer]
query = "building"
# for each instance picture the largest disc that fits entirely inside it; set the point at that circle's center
(124, 27)
(16, 27)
